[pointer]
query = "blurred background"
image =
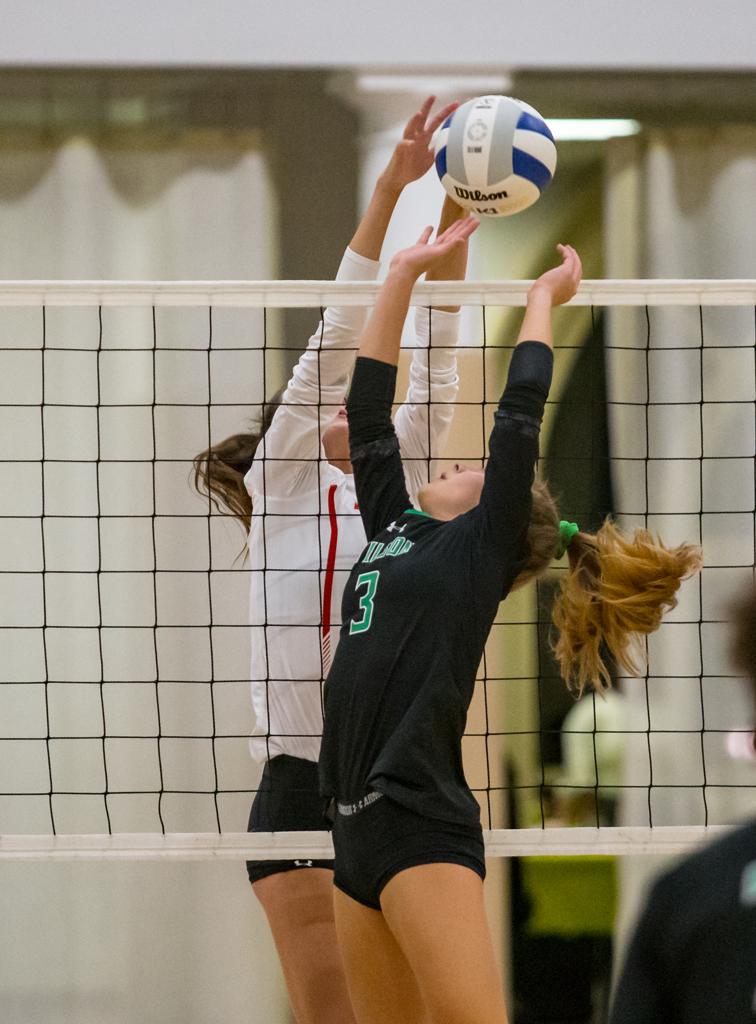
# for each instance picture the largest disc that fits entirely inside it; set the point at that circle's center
(189, 140)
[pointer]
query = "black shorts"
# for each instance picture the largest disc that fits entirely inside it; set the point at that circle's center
(288, 800)
(377, 838)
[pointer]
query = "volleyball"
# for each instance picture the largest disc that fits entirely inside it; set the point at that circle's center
(495, 155)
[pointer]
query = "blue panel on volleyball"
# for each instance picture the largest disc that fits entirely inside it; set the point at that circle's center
(529, 123)
(448, 121)
(528, 167)
(441, 162)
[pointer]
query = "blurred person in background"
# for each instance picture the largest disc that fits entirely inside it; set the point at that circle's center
(692, 959)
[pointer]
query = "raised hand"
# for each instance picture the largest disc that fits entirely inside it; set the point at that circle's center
(413, 155)
(560, 282)
(425, 254)
(383, 333)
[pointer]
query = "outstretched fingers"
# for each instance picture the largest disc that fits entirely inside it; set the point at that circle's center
(441, 116)
(459, 231)
(456, 233)
(417, 122)
(419, 126)
(571, 263)
(425, 254)
(561, 282)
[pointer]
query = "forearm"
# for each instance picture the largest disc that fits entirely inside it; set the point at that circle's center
(382, 336)
(454, 266)
(369, 402)
(536, 324)
(371, 231)
(423, 420)
(434, 358)
(528, 382)
(328, 357)
(314, 392)
(505, 502)
(373, 446)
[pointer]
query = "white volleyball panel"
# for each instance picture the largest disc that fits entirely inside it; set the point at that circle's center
(495, 155)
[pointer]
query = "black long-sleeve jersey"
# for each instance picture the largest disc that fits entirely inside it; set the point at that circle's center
(420, 601)
(692, 959)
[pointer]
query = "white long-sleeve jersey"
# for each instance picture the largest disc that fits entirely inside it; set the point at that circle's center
(306, 532)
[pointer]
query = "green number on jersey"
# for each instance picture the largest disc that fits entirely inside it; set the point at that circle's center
(370, 580)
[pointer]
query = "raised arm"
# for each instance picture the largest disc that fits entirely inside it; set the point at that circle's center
(383, 333)
(423, 421)
(503, 513)
(286, 459)
(411, 158)
(381, 489)
(553, 288)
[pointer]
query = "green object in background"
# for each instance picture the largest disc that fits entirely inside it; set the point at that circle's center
(571, 896)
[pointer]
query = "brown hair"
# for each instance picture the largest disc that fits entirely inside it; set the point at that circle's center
(219, 471)
(542, 537)
(617, 589)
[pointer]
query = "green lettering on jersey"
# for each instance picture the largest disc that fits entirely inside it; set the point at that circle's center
(377, 549)
(369, 580)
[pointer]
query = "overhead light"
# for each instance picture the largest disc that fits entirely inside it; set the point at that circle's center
(573, 129)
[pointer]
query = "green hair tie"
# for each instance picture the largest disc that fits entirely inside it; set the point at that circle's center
(566, 532)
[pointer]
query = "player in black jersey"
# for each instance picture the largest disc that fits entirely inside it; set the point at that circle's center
(416, 613)
(692, 959)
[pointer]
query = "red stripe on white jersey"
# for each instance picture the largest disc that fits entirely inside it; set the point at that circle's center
(328, 583)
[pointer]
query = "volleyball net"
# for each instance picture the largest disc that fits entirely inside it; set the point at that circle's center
(125, 713)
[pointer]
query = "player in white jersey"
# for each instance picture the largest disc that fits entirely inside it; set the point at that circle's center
(298, 501)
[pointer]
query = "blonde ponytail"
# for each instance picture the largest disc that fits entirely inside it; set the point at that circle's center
(617, 590)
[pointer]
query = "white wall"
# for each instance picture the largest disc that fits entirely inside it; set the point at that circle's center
(96, 943)
(487, 34)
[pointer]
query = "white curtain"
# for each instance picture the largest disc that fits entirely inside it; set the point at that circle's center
(114, 942)
(134, 205)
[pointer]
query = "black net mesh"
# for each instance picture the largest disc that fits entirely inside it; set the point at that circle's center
(125, 620)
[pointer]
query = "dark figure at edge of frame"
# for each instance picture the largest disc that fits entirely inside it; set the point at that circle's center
(692, 957)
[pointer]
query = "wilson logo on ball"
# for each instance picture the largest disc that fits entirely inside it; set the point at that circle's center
(497, 151)
(478, 197)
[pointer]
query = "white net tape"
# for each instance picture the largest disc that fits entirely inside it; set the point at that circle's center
(314, 294)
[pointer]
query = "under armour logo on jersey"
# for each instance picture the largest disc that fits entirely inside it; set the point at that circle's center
(303, 863)
(399, 529)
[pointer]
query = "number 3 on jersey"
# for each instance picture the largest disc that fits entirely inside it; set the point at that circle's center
(369, 580)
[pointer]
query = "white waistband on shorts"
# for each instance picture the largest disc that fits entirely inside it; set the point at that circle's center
(358, 805)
